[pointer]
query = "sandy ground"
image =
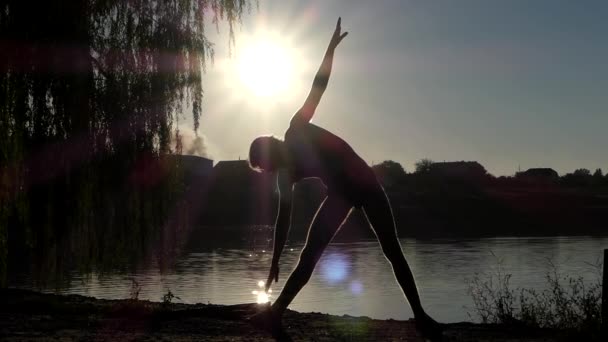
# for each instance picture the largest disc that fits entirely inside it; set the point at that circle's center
(31, 316)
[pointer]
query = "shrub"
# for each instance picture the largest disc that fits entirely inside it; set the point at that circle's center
(567, 302)
(135, 289)
(168, 297)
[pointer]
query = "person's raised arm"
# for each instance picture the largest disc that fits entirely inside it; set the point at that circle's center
(282, 224)
(321, 79)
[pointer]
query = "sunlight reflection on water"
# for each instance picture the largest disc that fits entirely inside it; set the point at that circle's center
(261, 296)
(354, 278)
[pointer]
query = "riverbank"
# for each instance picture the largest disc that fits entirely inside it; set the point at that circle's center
(32, 316)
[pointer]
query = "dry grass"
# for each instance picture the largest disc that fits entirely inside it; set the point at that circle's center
(566, 303)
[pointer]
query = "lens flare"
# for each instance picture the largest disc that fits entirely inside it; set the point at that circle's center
(356, 287)
(335, 268)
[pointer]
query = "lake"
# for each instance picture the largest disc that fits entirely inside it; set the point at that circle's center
(354, 278)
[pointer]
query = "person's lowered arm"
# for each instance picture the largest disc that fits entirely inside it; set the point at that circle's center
(321, 79)
(282, 224)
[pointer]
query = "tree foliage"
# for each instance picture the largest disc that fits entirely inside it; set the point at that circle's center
(87, 89)
(111, 71)
(389, 172)
(582, 172)
(423, 165)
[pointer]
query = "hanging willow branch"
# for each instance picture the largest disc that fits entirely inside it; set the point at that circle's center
(86, 88)
(115, 70)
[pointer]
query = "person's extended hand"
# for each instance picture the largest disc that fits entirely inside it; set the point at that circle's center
(273, 275)
(338, 35)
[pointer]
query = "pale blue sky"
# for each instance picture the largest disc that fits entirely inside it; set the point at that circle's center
(505, 83)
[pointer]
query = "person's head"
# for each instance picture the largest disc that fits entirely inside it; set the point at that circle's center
(266, 154)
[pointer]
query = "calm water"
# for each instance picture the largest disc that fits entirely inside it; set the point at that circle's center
(354, 278)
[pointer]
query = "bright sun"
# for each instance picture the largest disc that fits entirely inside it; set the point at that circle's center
(265, 68)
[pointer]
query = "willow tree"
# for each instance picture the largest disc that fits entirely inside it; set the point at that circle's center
(90, 84)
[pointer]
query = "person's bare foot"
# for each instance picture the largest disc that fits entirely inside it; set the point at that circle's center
(265, 319)
(429, 328)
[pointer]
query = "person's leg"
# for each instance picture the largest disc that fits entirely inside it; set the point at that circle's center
(328, 219)
(380, 216)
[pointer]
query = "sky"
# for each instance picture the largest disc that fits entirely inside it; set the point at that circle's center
(510, 84)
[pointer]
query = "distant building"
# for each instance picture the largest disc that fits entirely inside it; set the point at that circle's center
(470, 170)
(235, 169)
(239, 195)
(235, 177)
(538, 174)
(196, 166)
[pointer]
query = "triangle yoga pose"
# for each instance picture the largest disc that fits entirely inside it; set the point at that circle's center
(309, 151)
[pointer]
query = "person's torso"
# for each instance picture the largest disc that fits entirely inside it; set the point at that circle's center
(317, 153)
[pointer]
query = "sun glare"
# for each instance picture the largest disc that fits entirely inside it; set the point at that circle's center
(265, 67)
(262, 297)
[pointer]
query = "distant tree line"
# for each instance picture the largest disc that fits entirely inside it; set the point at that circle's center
(438, 199)
(390, 172)
(91, 92)
(463, 199)
(584, 177)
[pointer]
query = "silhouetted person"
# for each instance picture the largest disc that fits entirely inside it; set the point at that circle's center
(309, 151)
